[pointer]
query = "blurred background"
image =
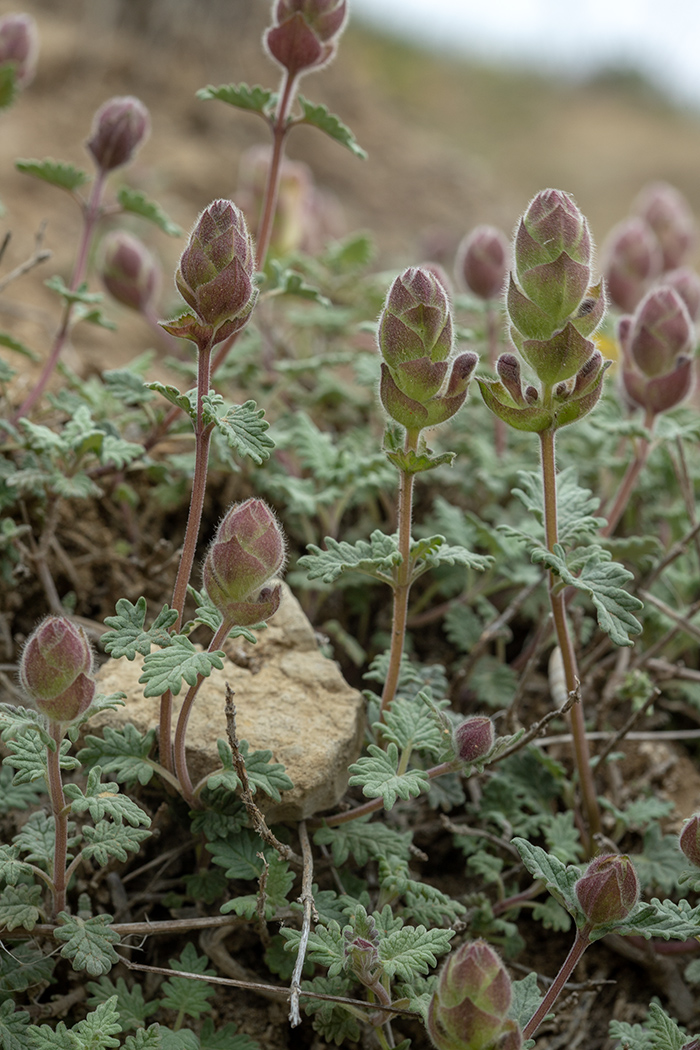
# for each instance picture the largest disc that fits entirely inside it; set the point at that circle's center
(465, 108)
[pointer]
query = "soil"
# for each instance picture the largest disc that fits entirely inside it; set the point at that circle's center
(449, 145)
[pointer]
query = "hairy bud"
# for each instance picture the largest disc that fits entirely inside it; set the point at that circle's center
(608, 890)
(633, 259)
(56, 669)
(469, 1008)
(482, 261)
(474, 738)
(129, 272)
(215, 275)
(119, 127)
(248, 551)
(687, 283)
(657, 345)
(305, 34)
(689, 841)
(19, 44)
(668, 213)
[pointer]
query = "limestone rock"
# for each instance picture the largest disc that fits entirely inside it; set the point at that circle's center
(289, 699)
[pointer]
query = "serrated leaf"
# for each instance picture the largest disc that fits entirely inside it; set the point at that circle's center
(183, 1039)
(326, 946)
(433, 551)
(331, 1020)
(108, 840)
(242, 426)
(19, 906)
(412, 462)
(412, 724)
(277, 886)
(601, 580)
(363, 840)
(319, 117)
(558, 878)
(19, 348)
(97, 1030)
(73, 295)
(12, 869)
(376, 558)
(187, 402)
(88, 942)
(238, 854)
(145, 1039)
(257, 99)
(138, 204)
(658, 919)
(576, 521)
(129, 636)
(119, 453)
(24, 967)
(526, 999)
(122, 752)
(224, 1038)
(14, 1025)
(413, 950)
(104, 800)
(377, 774)
(166, 669)
(57, 172)
(183, 995)
(288, 282)
(131, 1005)
(127, 385)
(665, 1032)
(37, 838)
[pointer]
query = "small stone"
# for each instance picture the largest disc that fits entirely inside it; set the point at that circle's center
(290, 699)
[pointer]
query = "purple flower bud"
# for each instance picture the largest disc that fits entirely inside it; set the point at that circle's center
(609, 889)
(247, 552)
(689, 841)
(661, 331)
(474, 738)
(56, 669)
(19, 44)
(364, 958)
(633, 259)
(482, 261)
(215, 275)
(306, 33)
(469, 1008)
(120, 126)
(668, 213)
(129, 272)
(687, 283)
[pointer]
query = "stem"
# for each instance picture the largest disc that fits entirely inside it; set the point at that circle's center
(628, 482)
(91, 214)
(60, 813)
(578, 728)
(493, 339)
(577, 949)
(403, 580)
(183, 775)
(279, 133)
(202, 435)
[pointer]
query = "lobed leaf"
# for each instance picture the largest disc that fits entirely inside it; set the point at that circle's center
(57, 172)
(131, 1005)
(183, 995)
(20, 906)
(122, 752)
(15, 1030)
(166, 669)
(277, 886)
(242, 426)
(376, 558)
(377, 774)
(138, 204)
(112, 841)
(364, 841)
(88, 942)
(129, 636)
(256, 99)
(319, 117)
(104, 800)
(559, 878)
(413, 950)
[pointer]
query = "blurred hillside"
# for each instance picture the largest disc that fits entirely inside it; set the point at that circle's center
(450, 143)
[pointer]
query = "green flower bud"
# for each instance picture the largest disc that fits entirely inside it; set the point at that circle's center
(482, 261)
(633, 259)
(306, 32)
(247, 552)
(668, 213)
(474, 738)
(129, 272)
(657, 346)
(609, 889)
(689, 841)
(56, 669)
(215, 275)
(469, 1008)
(19, 44)
(119, 127)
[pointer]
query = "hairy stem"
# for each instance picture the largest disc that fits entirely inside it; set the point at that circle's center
(60, 814)
(91, 214)
(403, 580)
(554, 991)
(280, 128)
(561, 626)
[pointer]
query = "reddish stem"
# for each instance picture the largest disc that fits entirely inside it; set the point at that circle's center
(60, 814)
(280, 128)
(628, 482)
(577, 949)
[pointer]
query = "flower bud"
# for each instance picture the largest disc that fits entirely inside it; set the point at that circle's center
(19, 44)
(215, 275)
(56, 669)
(247, 552)
(689, 841)
(668, 213)
(687, 283)
(305, 33)
(474, 738)
(364, 959)
(120, 126)
(657, 346)
(633, 259)
(482, 261)
(608, 890)
(469, 1008)
(129, 272)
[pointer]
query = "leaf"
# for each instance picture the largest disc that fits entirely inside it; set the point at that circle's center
(364, 841)
(138, 204)
(331, 1020)
(377, 774)
(88, 942)
(238, 854)
(183, 995)
(284, 281)
(665, 1032)
(434, 551)
(128, 635)
(37, 838)
(57, 172)
(562, 837)
(73, 295)
(108, 840)
(376, 558)
(25, 966)
(576, 521)
(11, 868)
(257, 99)
(526, 999)
(19, 348)
(494, 683)
(558, 878)
(127, 385)
(268, 776)
(411, 724)
(413, 950)
(145, 1039)
(187, 402)
(104, 800)
(8, 87)
(277, 886)
(14, 1027)
(19, 906)
(119, 453)
(225, 1038)
(600, 579)
(319, 117)
(95, 1031)
(658, 919)
(661, 863)
(131, 1005)
(121, 752)
(242, 426)
(21, 796)
(167, 668)
(326, 946)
